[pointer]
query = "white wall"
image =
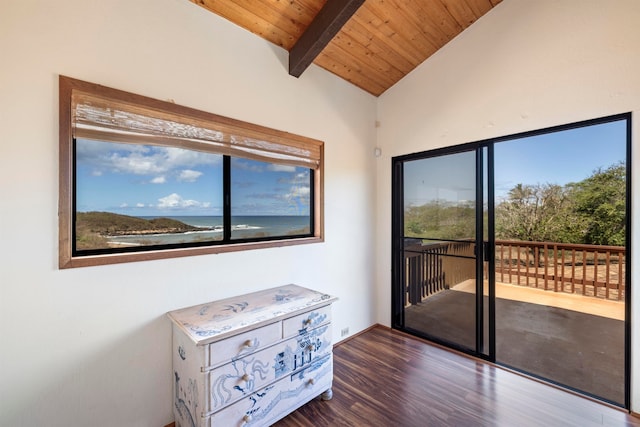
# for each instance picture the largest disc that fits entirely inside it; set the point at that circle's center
(91, 346)
(525, 65)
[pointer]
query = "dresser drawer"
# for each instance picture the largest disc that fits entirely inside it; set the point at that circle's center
(259, 355)
(277, 400)
(244, 344)
(245, 375)
(311, 319)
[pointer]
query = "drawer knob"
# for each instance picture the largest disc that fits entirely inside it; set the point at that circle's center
(246, 418)
(249, 343)
(246, 377)
(310, 347)
(307, 322)
(311, 381)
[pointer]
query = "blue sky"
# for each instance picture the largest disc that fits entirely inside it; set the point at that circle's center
(554, 158)
(145, 180)
(559, 157)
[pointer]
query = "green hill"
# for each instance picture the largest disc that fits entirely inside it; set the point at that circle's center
(93, 228)
(111, 224)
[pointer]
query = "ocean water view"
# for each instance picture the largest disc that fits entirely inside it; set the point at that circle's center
(212, 227)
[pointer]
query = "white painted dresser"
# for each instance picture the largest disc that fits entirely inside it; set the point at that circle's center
(251, 360)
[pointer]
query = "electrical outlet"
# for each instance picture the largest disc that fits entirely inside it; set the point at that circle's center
(344, 332)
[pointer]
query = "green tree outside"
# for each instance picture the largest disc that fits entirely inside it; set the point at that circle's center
(591, 211)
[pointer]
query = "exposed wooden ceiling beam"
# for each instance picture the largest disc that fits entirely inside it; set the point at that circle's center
(324, 27)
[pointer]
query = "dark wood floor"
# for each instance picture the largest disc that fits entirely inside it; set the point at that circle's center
(386, 378)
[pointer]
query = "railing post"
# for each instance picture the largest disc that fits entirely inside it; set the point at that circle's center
(562, 273)
(555, 268)
(546, 267)
(607, 276)
(621, 286)
(527, 275)
(415, 280)
(573, 271)
(536, 262)
(584, 272)
(595, 273)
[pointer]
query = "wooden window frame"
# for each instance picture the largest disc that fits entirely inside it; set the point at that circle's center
(232, 137)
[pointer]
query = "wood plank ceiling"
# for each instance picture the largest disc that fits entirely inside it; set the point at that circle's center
(381, 42)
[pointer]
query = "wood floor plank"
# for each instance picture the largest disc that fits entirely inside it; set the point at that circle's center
(386, 378)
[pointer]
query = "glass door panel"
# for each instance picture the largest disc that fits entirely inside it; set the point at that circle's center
(487, 191)
(439, 248)
(560, 220)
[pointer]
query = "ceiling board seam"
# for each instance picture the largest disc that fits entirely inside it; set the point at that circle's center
(378, 45)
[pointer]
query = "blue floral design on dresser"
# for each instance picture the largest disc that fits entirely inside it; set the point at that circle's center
(242, 379)
(283, 296)
(237, 307)
(264, 402)
(182, 353)
(311, 321)
(209, 321)
(308, 347)
(186, 400)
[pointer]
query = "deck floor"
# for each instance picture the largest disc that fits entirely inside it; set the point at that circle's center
(584, 304)
(561, 339)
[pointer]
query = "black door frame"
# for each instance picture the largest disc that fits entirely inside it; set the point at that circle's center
(397, 297)
(486, 250)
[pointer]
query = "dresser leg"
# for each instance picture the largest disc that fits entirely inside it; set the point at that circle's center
(327, 394)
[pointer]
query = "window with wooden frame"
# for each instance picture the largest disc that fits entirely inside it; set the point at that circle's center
(144, 179)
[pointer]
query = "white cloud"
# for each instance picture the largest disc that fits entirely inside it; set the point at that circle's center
(139, 205)
(260, 166)
(301, 178)
(159, 180)
(175, 201)
(189, 175)
(281, 168)
(300, 191)
(246, 165)
(136, 163)
(171, 201)
(180, 157)
(102, 157)
(124, 205)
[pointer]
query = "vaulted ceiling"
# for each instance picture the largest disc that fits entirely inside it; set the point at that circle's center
(370, 43)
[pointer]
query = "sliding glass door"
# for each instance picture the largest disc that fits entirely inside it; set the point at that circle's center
(514, 250)
(439, 247)
(560, 254)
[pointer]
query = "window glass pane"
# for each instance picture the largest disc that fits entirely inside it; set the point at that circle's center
(439, 204)
(134, 195)
(144, 179)
(439, 247)
(560, 216)
(269, 200)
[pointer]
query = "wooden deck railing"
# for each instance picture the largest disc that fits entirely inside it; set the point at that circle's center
(434, 267)
(591, 270)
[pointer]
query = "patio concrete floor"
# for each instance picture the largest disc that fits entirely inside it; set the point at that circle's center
(572, 340)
